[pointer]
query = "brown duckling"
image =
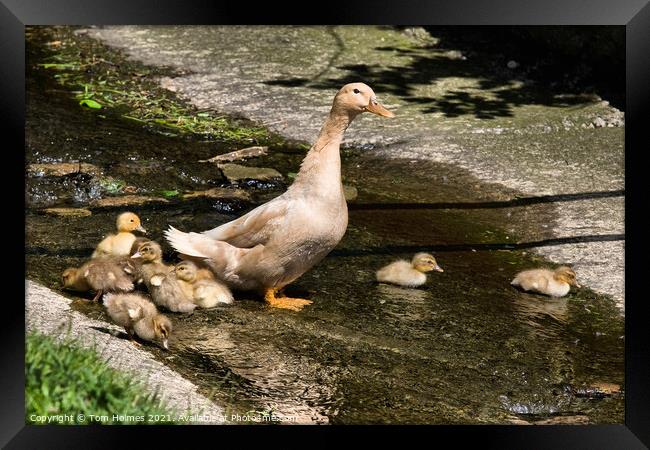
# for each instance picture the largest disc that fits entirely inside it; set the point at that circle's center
(167, 291)
(556, 283)
(101, 275)
(409, 274)
(137, 243)
(139, 317)
(151, 263)
(205, 292)
(120, 244)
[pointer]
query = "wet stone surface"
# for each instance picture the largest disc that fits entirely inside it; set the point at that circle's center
(464, 348)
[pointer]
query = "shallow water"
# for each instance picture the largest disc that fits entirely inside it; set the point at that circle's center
(465, 348)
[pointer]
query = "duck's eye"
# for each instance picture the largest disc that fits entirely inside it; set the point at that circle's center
(356, 91)
(132, 220)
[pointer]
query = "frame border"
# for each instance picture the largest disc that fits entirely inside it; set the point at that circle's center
(634, 14)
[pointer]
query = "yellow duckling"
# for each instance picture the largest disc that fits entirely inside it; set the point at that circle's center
(120, 244)
(409, 274)
(204, 291)
(556, 283)
(101, 275)
(139, 317)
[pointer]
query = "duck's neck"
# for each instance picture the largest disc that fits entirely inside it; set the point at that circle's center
(321, 168)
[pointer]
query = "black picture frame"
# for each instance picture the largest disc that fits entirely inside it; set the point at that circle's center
(633, 14)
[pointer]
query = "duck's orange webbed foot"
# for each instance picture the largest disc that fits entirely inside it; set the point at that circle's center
(294, 304)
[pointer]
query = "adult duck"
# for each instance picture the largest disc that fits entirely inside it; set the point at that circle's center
(277, 242)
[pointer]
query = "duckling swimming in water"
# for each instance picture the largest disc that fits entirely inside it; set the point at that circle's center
(205, 292)
(101, 275)
(120, 244)
(139, 317)
(556, 283)
(409, 274)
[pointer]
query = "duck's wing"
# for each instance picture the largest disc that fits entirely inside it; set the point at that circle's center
(253, 228)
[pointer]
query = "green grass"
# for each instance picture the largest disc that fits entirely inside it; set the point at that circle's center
(64, 378)
(103, 79)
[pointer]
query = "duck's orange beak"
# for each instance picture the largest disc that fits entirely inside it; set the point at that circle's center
(377, 108)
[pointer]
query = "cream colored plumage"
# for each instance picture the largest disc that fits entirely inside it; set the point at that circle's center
(278, 241)
(120, 244)
(205, 291)
(139, 317)
(409, 274)
(556, 283)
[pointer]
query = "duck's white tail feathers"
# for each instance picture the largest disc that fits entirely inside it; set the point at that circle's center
(221, 257)
(191, 244)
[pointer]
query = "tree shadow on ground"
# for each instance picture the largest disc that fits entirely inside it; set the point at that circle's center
(493, 89)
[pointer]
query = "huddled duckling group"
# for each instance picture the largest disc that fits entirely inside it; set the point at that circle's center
(123, 261)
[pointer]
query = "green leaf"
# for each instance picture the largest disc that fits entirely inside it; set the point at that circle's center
(111, 185)
(58, 66)
(172, 193)
(90, 103)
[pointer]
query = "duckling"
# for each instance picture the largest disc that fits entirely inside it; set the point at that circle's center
(205, 292)
(151, 265)
(139, 317)
(167, 291)
(137, 243)
(120, 244)
(138, 261)
(555, 283)
(409, 274)
(100, 275)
